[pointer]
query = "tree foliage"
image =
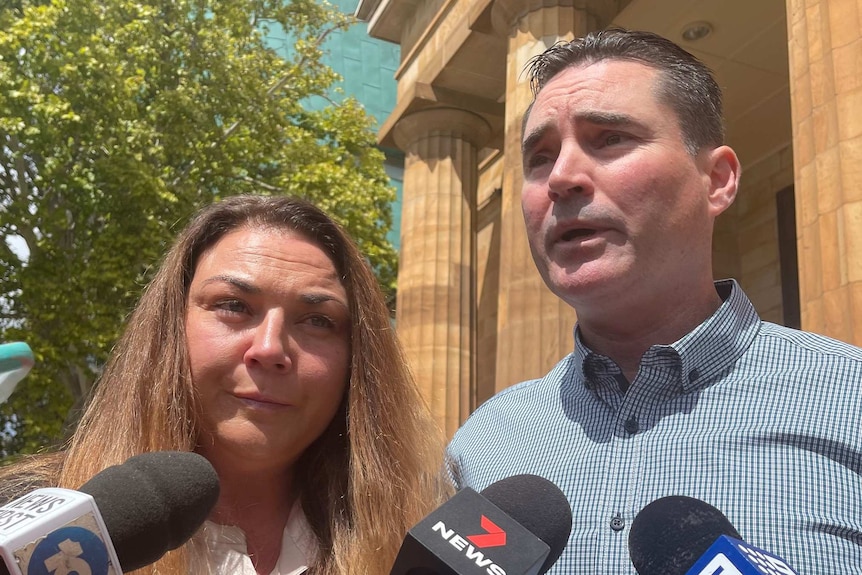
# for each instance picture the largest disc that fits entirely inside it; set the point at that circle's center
(120, 118)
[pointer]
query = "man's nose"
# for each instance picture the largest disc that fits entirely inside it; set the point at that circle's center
(570, 173)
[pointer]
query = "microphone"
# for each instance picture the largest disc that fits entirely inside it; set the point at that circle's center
(16, 360)
(125, 517)
(680, 535)
(516, 526)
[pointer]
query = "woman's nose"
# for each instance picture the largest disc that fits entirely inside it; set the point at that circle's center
(270, 343)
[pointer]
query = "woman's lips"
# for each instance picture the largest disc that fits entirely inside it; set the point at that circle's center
(261, 401)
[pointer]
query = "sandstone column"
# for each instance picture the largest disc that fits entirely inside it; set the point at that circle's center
(436, 299)
(534, 326)
(825, 50)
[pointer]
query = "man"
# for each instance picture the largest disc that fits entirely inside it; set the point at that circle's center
(675, 386)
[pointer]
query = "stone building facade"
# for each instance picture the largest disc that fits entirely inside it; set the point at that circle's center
(472, 312)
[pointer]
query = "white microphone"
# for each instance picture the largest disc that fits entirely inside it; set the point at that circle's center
(70, 535)
(122, 519)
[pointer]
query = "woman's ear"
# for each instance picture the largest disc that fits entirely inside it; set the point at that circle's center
(724, 171)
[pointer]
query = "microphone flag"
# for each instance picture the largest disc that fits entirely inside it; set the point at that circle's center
(730, 556)
(55, 531)
(469, 535)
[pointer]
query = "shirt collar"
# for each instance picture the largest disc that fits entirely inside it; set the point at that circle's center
(703, 353)
(229, 555)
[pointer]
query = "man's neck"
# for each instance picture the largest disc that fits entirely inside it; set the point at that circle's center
(624, 335)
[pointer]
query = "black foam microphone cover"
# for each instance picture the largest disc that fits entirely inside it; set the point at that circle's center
(153, 503)
(670, 534)
(539, 506)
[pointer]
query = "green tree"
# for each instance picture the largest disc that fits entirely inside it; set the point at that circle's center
(118, 119)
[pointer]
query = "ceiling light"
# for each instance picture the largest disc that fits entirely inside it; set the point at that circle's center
(696, 31)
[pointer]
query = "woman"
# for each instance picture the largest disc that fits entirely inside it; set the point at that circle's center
(263, 343)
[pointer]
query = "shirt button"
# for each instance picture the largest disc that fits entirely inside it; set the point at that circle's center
(617, 523)
(631, 425)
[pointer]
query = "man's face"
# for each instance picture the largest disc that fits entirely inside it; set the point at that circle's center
(613, 202)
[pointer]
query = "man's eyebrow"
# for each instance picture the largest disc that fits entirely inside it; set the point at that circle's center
(609, 119)
(531, 139)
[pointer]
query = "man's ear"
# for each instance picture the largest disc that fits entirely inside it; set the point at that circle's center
(723, 170)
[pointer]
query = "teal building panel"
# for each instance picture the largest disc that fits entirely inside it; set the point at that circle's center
(367, 67)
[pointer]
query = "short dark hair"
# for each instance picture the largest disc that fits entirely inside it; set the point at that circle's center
(685, 83)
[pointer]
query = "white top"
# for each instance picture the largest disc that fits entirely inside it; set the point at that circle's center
(229, 554)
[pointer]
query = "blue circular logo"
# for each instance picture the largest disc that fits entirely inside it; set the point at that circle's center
(69, 550)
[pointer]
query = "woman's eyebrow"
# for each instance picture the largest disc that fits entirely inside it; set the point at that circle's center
(234, 281)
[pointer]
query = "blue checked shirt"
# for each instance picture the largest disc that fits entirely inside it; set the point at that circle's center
(761, 421)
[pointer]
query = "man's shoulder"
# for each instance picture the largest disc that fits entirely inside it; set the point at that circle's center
(530, 407)
(793, 344)
(503, 435)
(516, 392)
(540, 389)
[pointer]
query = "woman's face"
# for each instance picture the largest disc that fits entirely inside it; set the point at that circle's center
(268, 333)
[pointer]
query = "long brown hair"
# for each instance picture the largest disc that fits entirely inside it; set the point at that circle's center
(377, 469)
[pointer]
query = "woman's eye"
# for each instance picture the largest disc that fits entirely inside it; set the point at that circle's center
(232, 306)
(321, 321)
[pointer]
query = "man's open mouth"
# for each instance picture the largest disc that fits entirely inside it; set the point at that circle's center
(577, 233)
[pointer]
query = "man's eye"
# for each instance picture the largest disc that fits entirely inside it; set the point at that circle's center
(613, 139)
(537, 160)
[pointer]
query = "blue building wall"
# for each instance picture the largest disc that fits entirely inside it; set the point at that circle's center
(367, 67)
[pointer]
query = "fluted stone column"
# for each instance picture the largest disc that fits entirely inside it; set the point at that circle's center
(436, 300)
(534, 325)
(825, 50)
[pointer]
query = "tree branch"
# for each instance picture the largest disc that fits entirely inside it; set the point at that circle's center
(273, 89)
(259, 184)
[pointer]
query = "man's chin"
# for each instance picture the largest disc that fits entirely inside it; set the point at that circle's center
(582, 285)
